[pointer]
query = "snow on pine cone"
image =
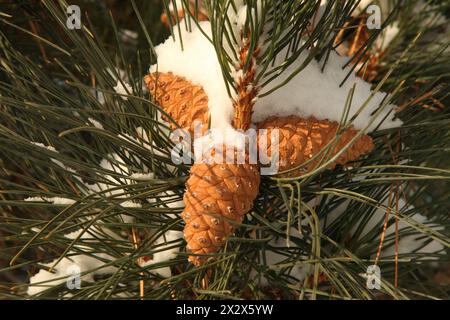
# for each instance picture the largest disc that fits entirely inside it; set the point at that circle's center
(217, 197)
(301, 139)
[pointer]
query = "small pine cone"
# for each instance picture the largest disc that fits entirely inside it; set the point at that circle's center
(185, 102)
(358, 36)
(300, 139)
(217, 197)
(201, 14)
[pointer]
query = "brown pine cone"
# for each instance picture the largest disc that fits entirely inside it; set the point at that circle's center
(201, 14)
(300, 139)
(184, 102)
(216, 199)
(356, 35)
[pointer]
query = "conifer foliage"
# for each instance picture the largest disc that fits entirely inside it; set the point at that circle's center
(93, 202)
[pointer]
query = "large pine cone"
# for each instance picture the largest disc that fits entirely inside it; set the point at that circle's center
(216, 199)
(300, 139)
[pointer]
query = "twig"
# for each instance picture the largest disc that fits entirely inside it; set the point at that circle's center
(139, 262)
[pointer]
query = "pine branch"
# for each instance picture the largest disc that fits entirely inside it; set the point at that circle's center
(91, 167)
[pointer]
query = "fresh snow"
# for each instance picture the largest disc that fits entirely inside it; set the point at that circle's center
(95, 123)
(198, 63)
(53, 200)
(275, 260)
(65, 268)
(408, 243)
(387, 36)
(312, 92)
(123, 88)
(164, 252)
(50, 148)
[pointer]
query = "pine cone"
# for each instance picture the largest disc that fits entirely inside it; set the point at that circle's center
(216, 199)
(201, 14)
(301, 139)
(356, 35)
(184, 102)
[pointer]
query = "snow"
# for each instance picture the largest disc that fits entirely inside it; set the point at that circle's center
(198, 63)
(274, 260)
(123, 87)
(50, 148)
(179, 204)
(112, 162)
(387, 35)
(178, 4)
(161, 244)
(115, 163)
(217, 138)
(414, 243)
(142, 176)
(319, 94)
(310, 93)
(241, 16)
(45, 279)
(127, 35)
(150, 144)
(163, 254)
(98, 95)
(87, 263)
(74, 261)
(407, 243)
(120, 88)
(95, 123)
(53, 200)
(60, 164)
(130, 204)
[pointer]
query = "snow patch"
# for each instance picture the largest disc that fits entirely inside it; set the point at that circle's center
(64, 269)
(123, 88)
(310, 93)
(53, 200)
